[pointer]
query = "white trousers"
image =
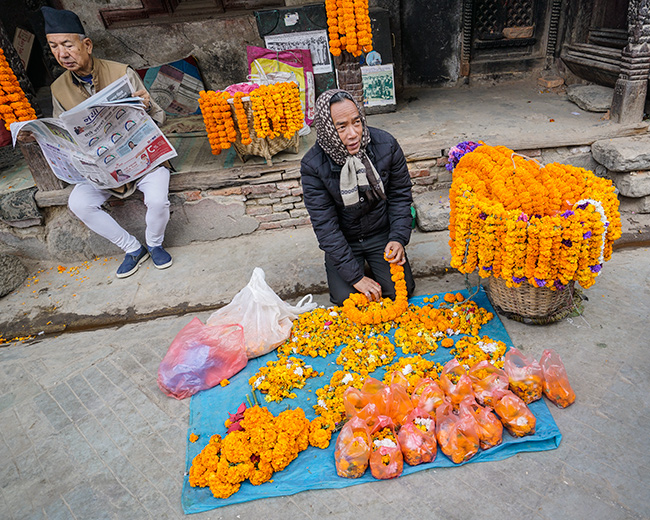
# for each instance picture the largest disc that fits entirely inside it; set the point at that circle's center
(86, 200)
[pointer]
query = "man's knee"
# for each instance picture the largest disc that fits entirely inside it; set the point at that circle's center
(79, 205)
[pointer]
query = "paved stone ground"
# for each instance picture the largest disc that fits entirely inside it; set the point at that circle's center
(85, 433)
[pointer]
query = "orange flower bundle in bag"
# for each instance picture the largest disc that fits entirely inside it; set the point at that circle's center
(352, 452)
(14, 105)
(427, 395)
(455, 383)
(490, 429)
(386, 460)
(526, 377)
(417, 438)
(487, 382)
(515, 415)
(400, 405)
(556, 382)
(457, 436)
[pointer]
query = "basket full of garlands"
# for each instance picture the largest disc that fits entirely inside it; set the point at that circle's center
(533, 230)
(262, 121)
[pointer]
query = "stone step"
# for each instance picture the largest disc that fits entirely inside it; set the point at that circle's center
(432, 210)
(623, 154)
(633, 184)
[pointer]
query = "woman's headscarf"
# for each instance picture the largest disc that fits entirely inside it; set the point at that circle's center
(356, 170)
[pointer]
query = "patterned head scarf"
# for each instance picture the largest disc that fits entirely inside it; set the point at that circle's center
(356, 170)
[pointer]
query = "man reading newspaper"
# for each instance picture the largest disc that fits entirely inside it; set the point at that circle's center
(84, 77)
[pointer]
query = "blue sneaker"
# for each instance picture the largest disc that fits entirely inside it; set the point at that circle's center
(161, 258)
(132, 262)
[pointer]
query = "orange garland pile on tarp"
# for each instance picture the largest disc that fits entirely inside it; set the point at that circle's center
(14, 105)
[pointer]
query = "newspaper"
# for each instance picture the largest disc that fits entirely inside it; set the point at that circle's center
(109, 139)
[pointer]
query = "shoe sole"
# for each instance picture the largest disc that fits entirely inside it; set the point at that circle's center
(163, 266)
(132, 271)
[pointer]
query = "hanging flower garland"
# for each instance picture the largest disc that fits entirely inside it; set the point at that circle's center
(348, 24)
(276, 111)
(513, 219)
(14, 105)
(242, 118)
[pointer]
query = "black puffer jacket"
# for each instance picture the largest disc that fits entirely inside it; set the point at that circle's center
(336, 225)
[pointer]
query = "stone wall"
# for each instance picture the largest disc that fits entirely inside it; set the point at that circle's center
(273, 200)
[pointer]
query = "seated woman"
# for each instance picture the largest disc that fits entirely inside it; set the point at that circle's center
(357, 190)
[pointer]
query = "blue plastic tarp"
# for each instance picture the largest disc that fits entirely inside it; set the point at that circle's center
(314, 468)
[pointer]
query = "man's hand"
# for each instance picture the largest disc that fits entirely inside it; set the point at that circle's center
(146, 99)
(370, 288)
(25, 137)
(395, 253)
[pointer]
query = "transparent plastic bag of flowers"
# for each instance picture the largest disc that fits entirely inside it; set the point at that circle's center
(525, 376)
(556, 382)
(264, 316)
(457, 436)
(455, 382)
(352, 452)
(200, 357)
(487, 382)
(427, 395)
(417, 438)
(490, 429)
(386, 460)
(515, 415)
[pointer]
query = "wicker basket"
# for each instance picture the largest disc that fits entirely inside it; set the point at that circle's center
(266, 147)
(529, 303)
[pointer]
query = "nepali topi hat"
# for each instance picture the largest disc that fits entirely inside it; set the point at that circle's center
(60, 21)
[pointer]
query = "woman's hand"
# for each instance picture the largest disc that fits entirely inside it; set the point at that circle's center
(370, 288)
(395, 253)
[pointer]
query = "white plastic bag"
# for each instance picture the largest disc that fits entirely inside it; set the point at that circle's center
(266, 319)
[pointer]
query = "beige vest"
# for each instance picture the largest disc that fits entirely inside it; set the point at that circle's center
(70, 93)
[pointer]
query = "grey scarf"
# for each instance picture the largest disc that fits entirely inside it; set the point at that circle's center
(357, 171)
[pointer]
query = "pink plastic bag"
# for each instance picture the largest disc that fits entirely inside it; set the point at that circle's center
(200, 357)
(556, 382)
(268, 66)
(525, 376)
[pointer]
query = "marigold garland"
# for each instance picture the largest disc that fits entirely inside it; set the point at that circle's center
(511, 218)
(348, 25)
(359, 309)
(276, 111)
(264, 445)
(14, 105)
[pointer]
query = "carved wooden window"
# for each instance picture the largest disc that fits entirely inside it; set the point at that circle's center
(153, 11)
